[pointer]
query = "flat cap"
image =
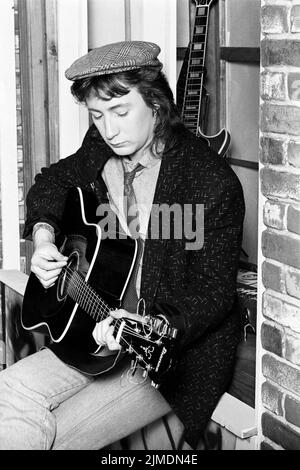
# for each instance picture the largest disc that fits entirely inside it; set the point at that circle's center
(113, 58)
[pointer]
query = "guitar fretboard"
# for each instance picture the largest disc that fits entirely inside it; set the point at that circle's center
(86, 297)
(194, 82)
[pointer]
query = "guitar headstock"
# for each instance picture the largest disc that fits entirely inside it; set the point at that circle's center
(203, 3)
(152, 349)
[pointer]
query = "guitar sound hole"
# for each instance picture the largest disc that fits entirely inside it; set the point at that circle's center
(66, 276)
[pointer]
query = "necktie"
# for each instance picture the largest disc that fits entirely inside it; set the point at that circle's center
(130, 203)
(130, 300)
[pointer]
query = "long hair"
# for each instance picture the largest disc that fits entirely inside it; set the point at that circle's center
(154, 88)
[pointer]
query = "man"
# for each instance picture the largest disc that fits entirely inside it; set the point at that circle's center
(187, 285)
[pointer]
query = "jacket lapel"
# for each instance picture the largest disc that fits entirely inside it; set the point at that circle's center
(153, 259)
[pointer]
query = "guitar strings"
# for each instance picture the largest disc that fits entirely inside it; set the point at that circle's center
(81, 287)
(76, 281)
(80, 284)
(79, 281)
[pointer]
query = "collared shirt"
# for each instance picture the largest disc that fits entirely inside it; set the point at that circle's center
(144, 185)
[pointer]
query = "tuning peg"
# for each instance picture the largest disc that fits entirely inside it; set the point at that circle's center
(133, 366)
(155, 385)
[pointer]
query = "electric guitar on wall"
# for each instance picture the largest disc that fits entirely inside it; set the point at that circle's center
(192, 98)
(93, 283)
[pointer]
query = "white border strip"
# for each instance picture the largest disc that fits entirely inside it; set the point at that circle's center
(8, 140)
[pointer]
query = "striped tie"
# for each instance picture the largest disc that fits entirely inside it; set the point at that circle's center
(130, 300)
(130, 203)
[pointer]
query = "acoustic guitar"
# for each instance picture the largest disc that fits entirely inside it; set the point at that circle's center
(92, 284)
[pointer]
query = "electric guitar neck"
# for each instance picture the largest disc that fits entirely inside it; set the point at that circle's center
(195, 99)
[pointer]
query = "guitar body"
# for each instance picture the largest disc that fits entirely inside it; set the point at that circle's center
(99, 267)
(106, 264)
(218, 142)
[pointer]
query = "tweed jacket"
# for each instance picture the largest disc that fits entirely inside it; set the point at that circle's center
(195, 289)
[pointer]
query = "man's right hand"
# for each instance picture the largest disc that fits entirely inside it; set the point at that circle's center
(46, 262)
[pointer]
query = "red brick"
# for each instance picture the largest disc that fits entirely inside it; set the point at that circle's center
(272, 151)
(292, 349)
(282, 248)
(295, 19)
(19, 135)
(18, 79)
(271, 339)
(293, 219)
(272, 276)
(23, 248)
(280, 184)
(293, 154)
(274, 19)
(280, 52)
(279, 433)
(274, 214)
(18, 99)
(292, 282)
(291, 316)
(283, 374)
(272, 398)
(294, 86)
(20, 174)
(273, 86)
(281, 119)
(20, 154)
(292, 411)
(272, 307)
(21, 213)
(19, 117)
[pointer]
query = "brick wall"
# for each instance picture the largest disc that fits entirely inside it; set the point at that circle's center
(280, 239)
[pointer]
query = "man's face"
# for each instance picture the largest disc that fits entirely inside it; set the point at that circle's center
(125, 123)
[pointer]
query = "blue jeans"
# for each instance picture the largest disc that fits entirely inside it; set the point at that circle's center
(44, 404)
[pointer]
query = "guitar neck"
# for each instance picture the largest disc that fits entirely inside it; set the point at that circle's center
(93, 304)
(195, 73)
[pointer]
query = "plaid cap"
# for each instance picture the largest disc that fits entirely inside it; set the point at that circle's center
(113, 58)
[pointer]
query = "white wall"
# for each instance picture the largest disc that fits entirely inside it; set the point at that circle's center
(155, 20)
(150, 20)
(72, 43)
(183, 14)
(183, 23)
(106, 22)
